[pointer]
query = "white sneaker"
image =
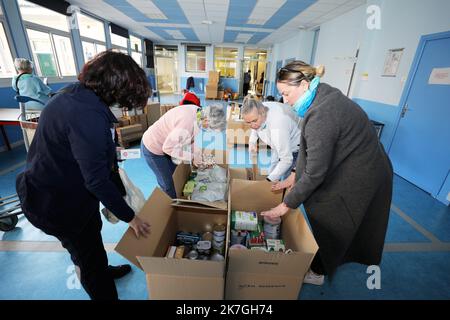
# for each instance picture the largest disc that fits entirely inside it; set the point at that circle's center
(314, 278)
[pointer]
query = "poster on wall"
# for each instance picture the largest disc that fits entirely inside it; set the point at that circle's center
(392, 62)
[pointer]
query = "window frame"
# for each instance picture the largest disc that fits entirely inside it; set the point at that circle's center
(6, 82)
(92, 40)
(51, 32)
(137, 51)
(226, 59)
(196, 60)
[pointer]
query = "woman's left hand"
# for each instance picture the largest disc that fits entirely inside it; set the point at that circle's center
(278, 211)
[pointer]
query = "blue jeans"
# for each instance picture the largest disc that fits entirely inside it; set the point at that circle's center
(294, 163)
(163, 167)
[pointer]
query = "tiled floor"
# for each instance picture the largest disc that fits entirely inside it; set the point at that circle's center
(415, 264)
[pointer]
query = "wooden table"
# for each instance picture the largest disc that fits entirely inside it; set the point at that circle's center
(11, 117)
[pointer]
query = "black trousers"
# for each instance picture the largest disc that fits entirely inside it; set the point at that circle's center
(88, 253)
(317, 265)
(245, 88)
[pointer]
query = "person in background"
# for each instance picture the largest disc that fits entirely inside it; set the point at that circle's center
(190, 98)
(170, 140)
(278, 127)
(343, 175)
(25, 83)
(69, 168)
(247, 80)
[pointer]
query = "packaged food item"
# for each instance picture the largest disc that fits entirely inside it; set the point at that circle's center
(189, 188)
(242, 220)
(171, 252)
(272, 227)
(256, 238)
(238, 247)
(179, 253)
(187, 238)
(275, 245)
(238, 237)
(193, 254)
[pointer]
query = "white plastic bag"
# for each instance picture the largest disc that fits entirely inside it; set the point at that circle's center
(134, 197)
(213, 191)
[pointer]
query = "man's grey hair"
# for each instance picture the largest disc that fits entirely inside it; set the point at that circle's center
(250, 103)
(23, 64)
(216, 117)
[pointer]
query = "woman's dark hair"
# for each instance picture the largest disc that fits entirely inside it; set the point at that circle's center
(116, 78)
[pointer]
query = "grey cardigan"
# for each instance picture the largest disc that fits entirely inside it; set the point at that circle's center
(344, 180)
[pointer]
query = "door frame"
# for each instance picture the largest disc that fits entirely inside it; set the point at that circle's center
(412, 74)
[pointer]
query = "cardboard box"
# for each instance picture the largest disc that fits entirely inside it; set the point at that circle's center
(181, 176)
(213, 77)
(153, 112)
(128, 134)
(211, 91)
(259, 275)
(167, 278)
(123, 122)
(166, 107)
(238, 132)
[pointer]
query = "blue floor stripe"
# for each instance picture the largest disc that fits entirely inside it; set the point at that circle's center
(45, 276)
(425, 210)
(404, 276)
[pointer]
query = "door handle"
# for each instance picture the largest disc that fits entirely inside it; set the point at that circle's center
(404, 110)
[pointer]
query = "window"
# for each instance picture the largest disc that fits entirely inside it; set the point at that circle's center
(195, 59)
(39, 15)
(92, 33)
(136, 49)
(226, 61)
(6, 61)
(48, 33)
(118, 42)
(91, 28)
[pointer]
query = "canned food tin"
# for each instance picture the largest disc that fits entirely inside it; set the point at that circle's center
(193, 254)
(272, 227)
(219, 230)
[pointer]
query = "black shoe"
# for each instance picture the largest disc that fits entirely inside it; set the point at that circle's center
(119, 271)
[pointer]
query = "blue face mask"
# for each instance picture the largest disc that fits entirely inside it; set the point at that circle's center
(304, 102)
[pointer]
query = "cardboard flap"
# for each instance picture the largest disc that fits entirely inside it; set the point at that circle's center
(182, 267)
(157, 211)
(268, 263)
(265, 199)
(297, 234)
(221, 205)
(180, 176)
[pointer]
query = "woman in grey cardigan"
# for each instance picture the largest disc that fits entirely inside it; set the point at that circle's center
(343, 175)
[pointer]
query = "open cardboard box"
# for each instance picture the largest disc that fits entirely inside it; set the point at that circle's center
(258, 275)
(182, 173)
(169, 278)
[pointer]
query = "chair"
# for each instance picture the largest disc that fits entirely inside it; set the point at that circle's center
(28, 124)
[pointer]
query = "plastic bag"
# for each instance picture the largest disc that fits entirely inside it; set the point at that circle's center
(214, 174)
(134, 197)
(213, 191)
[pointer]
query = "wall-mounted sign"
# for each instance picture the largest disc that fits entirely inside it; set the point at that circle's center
(392, 62)
(440, 76)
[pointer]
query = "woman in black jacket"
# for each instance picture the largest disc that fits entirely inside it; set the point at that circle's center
(69, 166)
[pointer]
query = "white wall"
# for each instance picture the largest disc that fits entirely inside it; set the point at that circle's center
(298, 47)
(403, 22)
(337, 45)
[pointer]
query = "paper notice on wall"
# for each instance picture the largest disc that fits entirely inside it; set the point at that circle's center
(440, 76)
